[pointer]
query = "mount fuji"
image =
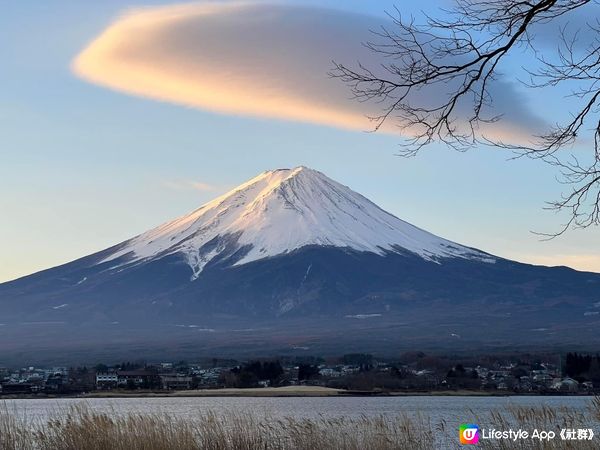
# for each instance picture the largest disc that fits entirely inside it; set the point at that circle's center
(278, 212)
(294, 262)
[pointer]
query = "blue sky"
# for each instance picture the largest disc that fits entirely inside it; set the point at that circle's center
(83, 167)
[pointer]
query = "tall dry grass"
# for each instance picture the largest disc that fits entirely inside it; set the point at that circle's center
(544, 418)
(80, 428)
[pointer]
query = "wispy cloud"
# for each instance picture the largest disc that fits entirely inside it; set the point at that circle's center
(255, 59)
(186, 185)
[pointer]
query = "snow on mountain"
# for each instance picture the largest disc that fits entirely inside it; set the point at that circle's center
(283, 210)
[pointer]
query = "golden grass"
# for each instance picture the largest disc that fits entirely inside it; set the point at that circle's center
(80, 428)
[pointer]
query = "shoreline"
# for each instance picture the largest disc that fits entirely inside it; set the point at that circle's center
(287, 391)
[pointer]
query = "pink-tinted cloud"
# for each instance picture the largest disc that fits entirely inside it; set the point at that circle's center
(183, 185)
(254, 59)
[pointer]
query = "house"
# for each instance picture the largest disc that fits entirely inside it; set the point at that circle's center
(329, 372)
(542, 378)
(175, 381)
(566, 385)
(137, 378)
(55, 382)
(209, 377)
(106, 380)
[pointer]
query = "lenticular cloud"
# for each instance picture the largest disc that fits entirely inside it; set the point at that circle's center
(250, 59)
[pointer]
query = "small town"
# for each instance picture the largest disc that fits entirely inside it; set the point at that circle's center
(360, 374)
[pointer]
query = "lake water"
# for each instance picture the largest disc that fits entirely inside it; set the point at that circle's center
(453, 410)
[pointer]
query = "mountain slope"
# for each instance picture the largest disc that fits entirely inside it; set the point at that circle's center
(280, 211)
(292, 261)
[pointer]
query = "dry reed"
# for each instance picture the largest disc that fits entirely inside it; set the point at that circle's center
(81, 428)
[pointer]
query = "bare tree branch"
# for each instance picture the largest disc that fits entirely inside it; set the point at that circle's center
(459, 58)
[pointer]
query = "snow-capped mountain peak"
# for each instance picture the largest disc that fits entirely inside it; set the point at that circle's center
(280, 211)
